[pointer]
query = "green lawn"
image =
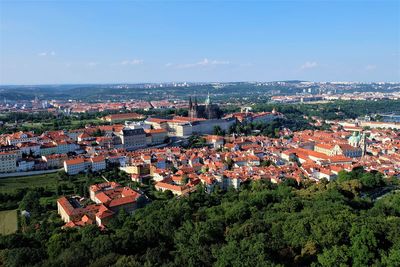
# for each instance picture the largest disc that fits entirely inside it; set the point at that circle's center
(8, 222)
(11, 184)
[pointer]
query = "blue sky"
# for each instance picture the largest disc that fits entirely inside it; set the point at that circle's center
(48, 42)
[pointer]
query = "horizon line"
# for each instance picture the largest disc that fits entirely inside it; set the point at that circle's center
(189, 82)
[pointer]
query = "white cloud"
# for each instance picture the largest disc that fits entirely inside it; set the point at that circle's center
(132, 62)
(370, 67)
(249, 64)
(92, 64)
(309, 65)
(203, 63)
(45, 53)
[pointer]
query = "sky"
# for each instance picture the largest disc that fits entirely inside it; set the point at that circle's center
(63, 42)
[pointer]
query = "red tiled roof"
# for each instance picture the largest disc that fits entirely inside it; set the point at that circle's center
(122, 201)
(75, 161)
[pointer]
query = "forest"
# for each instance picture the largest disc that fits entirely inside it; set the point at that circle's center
(262, 224)
(340, 109)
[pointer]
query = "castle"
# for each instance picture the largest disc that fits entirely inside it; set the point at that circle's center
(206, 111)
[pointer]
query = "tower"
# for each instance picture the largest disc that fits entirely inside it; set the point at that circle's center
(363, 144)
(193, 108)
(208, 107)
(208, 100)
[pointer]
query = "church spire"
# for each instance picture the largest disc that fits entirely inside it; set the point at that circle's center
(208, 100)
(190, 102)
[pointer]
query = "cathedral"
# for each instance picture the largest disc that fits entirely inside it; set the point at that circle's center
(358, 141)
(206, 111)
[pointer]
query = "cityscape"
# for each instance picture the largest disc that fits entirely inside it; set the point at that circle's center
(212, 163)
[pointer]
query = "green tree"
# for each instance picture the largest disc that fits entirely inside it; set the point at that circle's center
(364, 246)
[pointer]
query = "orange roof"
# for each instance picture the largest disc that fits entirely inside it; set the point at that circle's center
(325, 146)
(98, 159)
(124, 116)
(186, 119)
(104, 212)
(154, 131)
(122, 201)
(169, 186)
(63, 201)
(156, 120)
(75, 161)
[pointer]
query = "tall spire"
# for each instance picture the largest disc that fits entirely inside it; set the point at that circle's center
(208, 100)
(190, 103)
(363, 144)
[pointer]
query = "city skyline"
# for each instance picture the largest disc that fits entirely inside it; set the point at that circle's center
(134, 42)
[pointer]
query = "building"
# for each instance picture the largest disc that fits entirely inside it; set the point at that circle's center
(55, 160)
(347, 150)
(8, 161)
(108, 198)
(260, 117)
(175, 189)
(77, 165)
(29, 148)
(123, 117)
(133, 138)
(21, 137)
(327, 149)
(48, 149)
(25, 165)
(215, 140)
(156, 136)
(206, 111)
(64, 147)
(186, 126)
(359, 142)
(98, 163)
(74, 166)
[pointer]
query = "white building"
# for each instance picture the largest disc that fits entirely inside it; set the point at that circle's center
(133, 138)
(25, 165)
(8, 161)
(21, 137)
(98, 163)
(74, 166)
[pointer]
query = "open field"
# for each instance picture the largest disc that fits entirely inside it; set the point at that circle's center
(11, 184)
(8, 222)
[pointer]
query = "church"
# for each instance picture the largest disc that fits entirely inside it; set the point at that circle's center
(206, 111)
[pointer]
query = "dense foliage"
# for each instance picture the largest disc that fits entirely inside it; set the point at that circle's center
(232, 91)
(297, 116)
(263, 224)
(270, 129)
(333, 110)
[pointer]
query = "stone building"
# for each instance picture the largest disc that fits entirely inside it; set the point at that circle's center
(206, 111)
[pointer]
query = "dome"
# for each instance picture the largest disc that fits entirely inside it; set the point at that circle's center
(354, 138)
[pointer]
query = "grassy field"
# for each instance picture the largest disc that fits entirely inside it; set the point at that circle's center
(11, 184)
(8, 222)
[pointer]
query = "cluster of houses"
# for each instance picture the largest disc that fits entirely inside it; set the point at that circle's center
(229, 161)
(107, 200)
(79, 150)
(75, 150)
